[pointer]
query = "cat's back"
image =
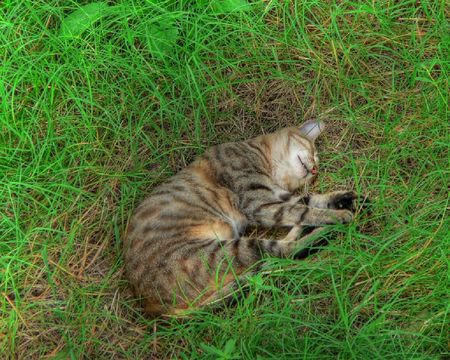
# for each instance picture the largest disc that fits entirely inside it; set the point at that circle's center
(188, 211)
(198, 194)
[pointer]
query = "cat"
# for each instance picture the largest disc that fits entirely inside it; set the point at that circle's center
(184, 245)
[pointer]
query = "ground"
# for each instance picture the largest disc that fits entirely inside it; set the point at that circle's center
(101, 103)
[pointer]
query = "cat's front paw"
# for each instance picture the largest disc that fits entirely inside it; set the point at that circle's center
(343, 200)
(345, 216)
(348, 200)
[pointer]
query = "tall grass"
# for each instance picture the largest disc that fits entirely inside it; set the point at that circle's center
(91, 121)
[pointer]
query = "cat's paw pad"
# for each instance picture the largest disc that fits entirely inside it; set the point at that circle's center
(344, 200)
(349, 200)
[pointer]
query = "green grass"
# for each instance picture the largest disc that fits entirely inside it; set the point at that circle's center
(90, 124)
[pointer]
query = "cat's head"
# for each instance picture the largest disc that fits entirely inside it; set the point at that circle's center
(294, 156)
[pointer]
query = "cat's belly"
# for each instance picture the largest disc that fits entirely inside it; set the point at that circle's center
(227, 228)
(231, 215)
(238, 224)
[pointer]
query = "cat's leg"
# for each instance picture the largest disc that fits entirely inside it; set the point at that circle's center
(307, 240)
(285, 247)
(313, 210)
(334, 200)
(293, 233)
(282, 248)
(338, 200)
(242, 253)
(286, 214)
(272, 206)
(237, 259)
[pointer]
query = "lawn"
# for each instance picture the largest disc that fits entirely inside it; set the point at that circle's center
(100, 103)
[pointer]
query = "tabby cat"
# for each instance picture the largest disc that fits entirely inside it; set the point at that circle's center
(184, 246)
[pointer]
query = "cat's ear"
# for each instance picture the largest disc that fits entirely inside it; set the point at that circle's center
(312, 128)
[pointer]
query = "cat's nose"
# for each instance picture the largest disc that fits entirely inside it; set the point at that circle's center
(314, 170)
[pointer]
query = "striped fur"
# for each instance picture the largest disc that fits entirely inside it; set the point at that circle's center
(184, 245)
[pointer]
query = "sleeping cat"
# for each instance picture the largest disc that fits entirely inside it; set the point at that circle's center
(184, 246)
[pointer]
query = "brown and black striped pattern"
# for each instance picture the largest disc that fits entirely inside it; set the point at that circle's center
(184, 245)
